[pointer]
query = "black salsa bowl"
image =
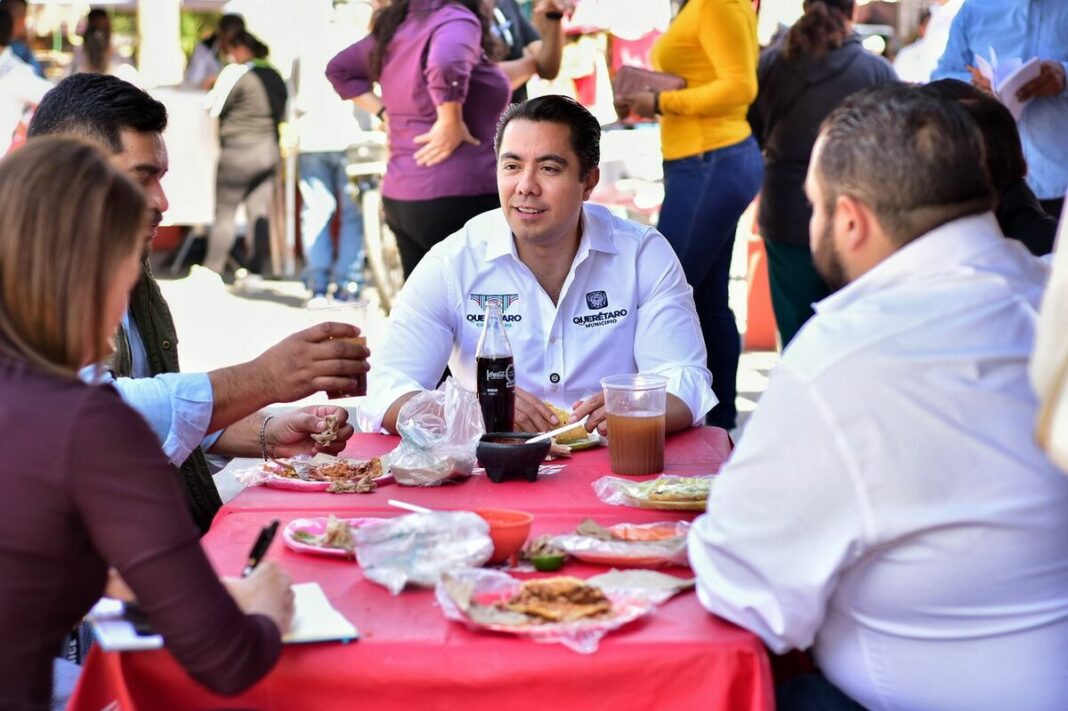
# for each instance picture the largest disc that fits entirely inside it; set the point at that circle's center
(506, 455)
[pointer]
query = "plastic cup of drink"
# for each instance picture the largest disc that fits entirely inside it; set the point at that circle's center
(635, 405)
(355, 313)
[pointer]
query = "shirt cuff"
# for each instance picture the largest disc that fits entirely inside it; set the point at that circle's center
(383, 389)
(449, 83)
(694, 387)
(177, 406)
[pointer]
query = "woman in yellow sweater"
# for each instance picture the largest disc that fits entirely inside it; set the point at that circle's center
(712, 165)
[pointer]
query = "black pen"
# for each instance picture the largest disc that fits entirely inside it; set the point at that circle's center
(259, 548)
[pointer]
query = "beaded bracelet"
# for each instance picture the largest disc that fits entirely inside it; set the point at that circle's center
(263, 437)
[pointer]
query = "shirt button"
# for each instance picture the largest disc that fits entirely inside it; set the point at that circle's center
(554, 378)
(552, 339)
(165, 345)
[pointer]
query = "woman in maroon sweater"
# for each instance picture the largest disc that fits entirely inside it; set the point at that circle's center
(84, 483)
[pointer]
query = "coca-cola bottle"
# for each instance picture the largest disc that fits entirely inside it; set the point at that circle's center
(496, 373)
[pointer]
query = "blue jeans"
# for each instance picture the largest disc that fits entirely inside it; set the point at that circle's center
(323, 188)
(704, 196)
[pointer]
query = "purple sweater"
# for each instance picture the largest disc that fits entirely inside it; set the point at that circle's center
(86, 484)
(435, 56)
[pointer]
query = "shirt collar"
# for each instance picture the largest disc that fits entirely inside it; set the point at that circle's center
(939, 251)
(596, 236)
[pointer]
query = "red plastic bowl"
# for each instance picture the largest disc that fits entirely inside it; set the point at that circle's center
(508, 530)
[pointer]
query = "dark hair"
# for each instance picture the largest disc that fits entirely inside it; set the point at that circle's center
(7, 26)
(1001, 139)
(97, 107)
(231, 24)
(823, 27)
(389, 17)
(915, 160)
(251, 42)
(554, 108)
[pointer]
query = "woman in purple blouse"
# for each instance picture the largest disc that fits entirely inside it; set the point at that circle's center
(85, 484)
(441, 95)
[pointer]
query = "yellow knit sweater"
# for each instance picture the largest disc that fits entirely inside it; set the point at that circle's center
(711, 44)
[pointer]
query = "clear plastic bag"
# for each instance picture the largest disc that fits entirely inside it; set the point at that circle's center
(439, 432)
(418, 548)
(666, 492)
(470, 597)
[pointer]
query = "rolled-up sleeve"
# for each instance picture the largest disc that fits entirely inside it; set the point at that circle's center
(177, 406)
(954, 62)
(419, 340)
(668, 340)
(349, 71)
(455, 48)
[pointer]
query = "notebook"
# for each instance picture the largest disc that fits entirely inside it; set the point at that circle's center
(1008, 76)
(314, 620)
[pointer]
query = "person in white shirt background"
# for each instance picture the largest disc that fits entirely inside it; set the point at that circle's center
(907, 528)
(585, 294)
(20, 88)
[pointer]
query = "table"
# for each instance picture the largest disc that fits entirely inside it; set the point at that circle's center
(410, 656)
(701, 450)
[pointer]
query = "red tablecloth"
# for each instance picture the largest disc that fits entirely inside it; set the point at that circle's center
(410, 656)
(701, 450)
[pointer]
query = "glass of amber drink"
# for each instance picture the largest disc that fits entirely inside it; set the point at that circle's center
(635, 406)
(354, 312)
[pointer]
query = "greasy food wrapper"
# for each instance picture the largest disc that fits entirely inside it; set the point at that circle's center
(471, 597)
(666, 492)
(271, 473)
(418, 548)
(439, 432)
(660, 587)
(646, 544)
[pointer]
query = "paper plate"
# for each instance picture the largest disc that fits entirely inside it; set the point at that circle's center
(666, 505)
(316, 527)
(275, 481)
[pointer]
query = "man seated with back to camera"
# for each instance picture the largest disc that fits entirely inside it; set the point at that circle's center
(195, 412)
(910, 531)
(585, 294)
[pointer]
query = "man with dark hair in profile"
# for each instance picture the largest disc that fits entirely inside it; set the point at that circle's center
(887, 505)
(1019, 212)
(191, 412)
(585, 294)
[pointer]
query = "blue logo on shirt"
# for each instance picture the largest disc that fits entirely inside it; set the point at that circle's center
(502, 300)
(597, 300)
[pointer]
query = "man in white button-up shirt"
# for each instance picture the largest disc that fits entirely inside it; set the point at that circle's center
(585, 294)
(887, 505)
